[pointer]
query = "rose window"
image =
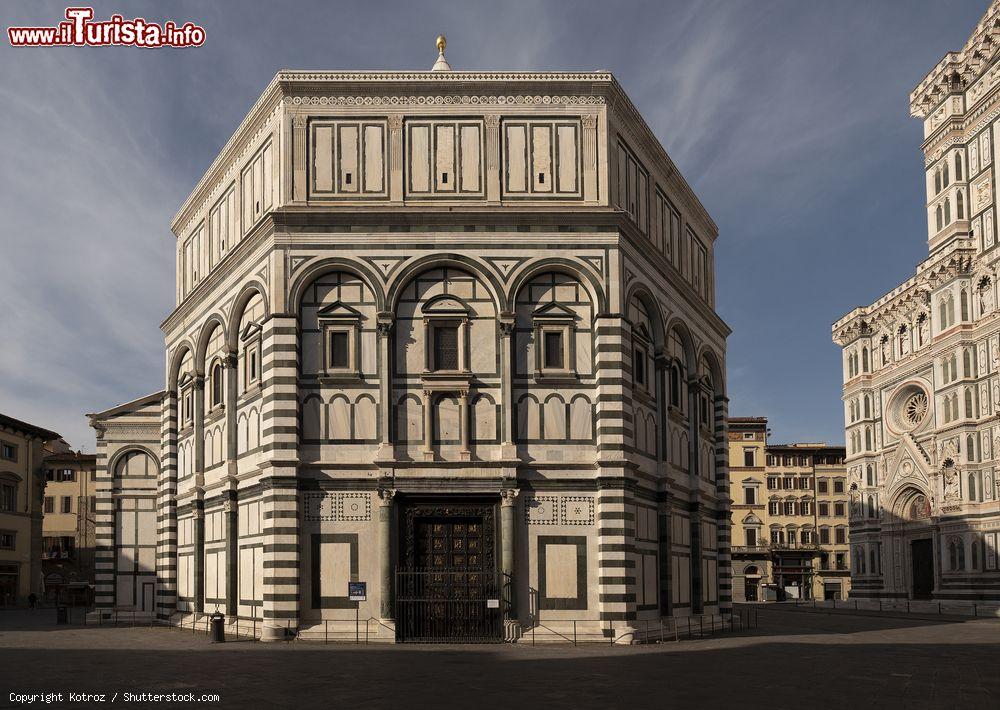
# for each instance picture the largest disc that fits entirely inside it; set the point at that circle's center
(915, 408)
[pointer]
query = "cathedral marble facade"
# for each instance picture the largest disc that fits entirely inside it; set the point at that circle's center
(445, 321)
(922, 363)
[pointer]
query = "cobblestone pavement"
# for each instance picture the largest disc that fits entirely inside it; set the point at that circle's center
(795, 659)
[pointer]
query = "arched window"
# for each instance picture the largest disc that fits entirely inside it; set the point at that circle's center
(945, 179)
(675, 385)
(868, 406)
(966, 363)
(959, 205)
(871, 506)
(874, 566)
(960, 546)
(864, 359)
(870, 475)
(964, 298)
(868, 439)
(938, 223)
(947, 211)
(135, 464)
(972, 487)
(937, 181)
(968, 404)
(958, 166)
(974, 544)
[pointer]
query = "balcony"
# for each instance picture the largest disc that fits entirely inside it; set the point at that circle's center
(751, 549)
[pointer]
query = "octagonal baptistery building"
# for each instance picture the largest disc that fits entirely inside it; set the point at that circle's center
(450, 335)
(922, 364)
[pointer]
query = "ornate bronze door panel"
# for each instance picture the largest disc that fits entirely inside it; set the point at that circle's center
(448, 575)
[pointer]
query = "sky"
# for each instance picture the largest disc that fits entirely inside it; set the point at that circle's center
(790, 119)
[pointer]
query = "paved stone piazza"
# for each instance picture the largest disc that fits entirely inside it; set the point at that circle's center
(879, 661)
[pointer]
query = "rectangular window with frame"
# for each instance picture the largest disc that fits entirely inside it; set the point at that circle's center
(8, 539)
(338, 349)
(839, 509)
(824, 509)
(445, 347)
(824, 536)
(639, 366)
(553, 350)
(67, 505)
(50, 504)
(749, 458)
(750, 495)
(251, 365)
(841, 536)
(8, 451)
(8, 498)
(823, 487)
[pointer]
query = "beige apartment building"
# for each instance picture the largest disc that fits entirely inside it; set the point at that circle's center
(448, 334)
(921, 365)
(790, 508)
(22, 479)
(69, 527)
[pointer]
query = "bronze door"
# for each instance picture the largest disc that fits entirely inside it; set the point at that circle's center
(448, 587)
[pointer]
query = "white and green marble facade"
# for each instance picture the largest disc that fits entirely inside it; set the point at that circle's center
(381, 206)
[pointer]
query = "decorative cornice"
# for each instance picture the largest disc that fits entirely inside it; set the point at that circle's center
(442, 100)
(958, 70)
(909, 298)
(453, 77)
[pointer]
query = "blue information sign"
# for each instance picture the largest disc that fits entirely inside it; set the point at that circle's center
(357, 591)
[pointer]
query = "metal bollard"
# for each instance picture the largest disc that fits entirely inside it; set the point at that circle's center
(326, 631)
(574, 632)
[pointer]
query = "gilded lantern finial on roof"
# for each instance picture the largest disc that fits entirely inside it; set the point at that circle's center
(441, 64)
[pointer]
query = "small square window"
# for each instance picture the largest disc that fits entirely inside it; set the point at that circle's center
(7, 540)
(8, 451)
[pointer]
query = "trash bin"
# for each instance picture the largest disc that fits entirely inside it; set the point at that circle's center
(62, 614)
(217, 629)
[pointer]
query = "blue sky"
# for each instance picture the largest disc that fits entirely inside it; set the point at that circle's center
(789, 118)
